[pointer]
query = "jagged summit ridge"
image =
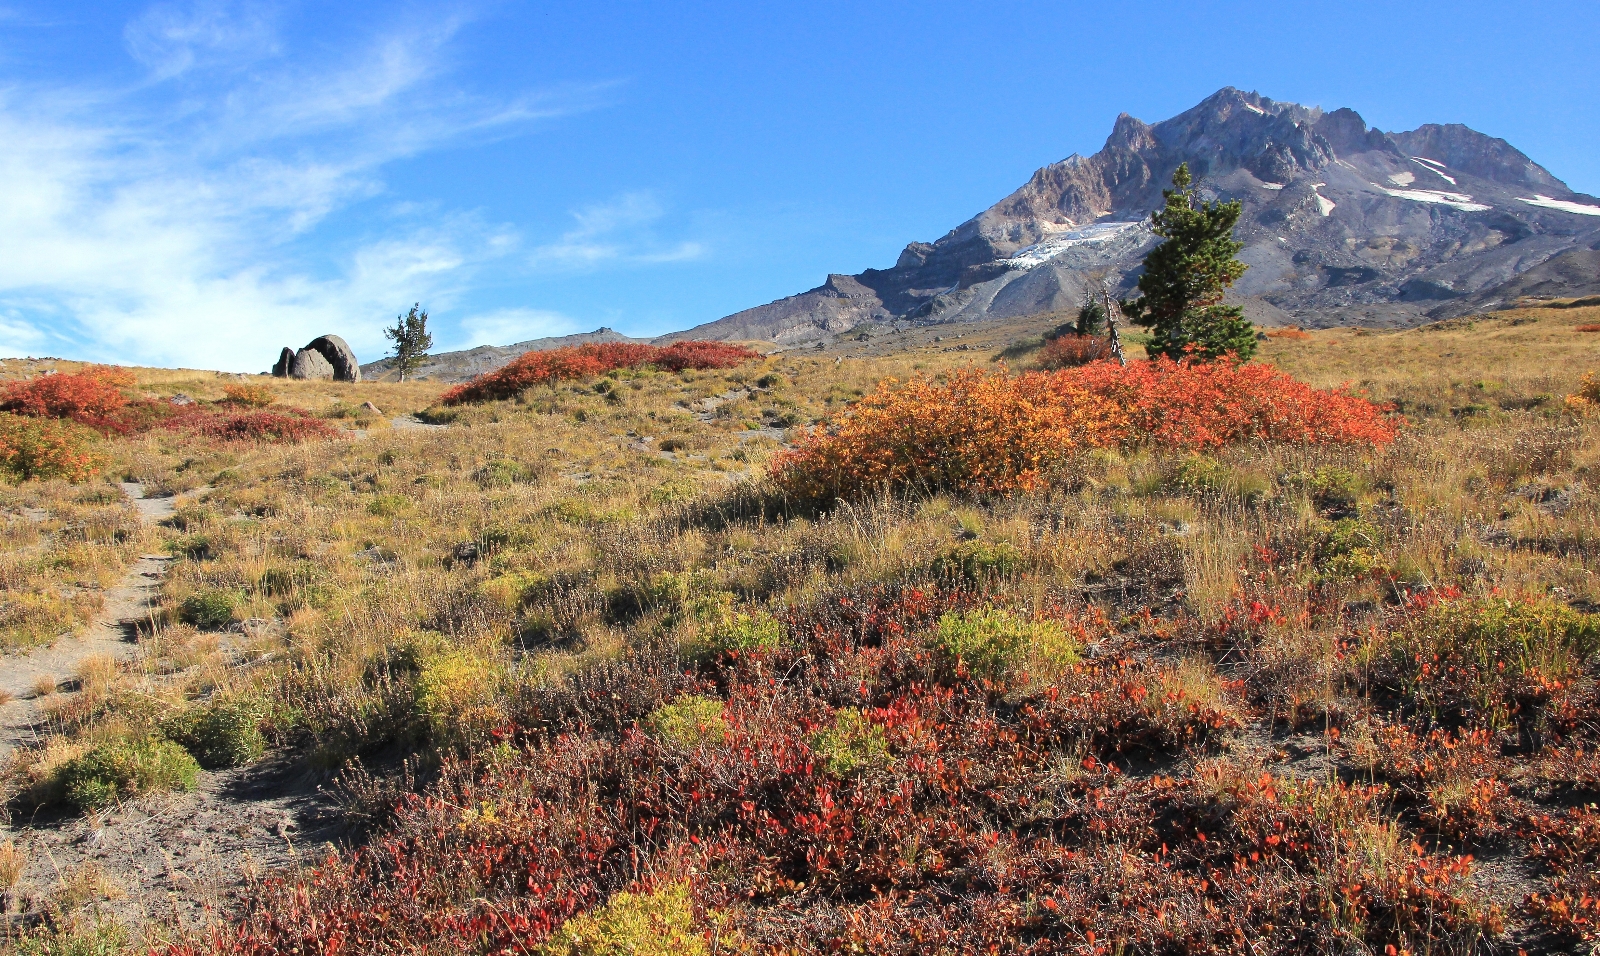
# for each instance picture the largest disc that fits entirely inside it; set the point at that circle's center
(1342, 222)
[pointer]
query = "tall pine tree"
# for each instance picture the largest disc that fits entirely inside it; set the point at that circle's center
(1185, 277)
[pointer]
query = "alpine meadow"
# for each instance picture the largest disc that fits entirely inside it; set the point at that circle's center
(1192, 553)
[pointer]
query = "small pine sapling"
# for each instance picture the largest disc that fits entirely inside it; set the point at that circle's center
(411, 339)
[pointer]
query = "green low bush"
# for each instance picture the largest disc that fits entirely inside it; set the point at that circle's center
(224, 732)
(660, 923)
(752, 631)
(1348, 549)
(1335, 488)
(978, 561)
(1489, 655)
(120, 770)
(387, 506)
(851, 744)
(211, 609)
(688, 722)
(999, 645)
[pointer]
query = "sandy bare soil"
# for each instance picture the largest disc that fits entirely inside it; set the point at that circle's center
(174, 860)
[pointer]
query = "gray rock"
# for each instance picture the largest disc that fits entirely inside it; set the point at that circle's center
(337, 351)
(285, 359)
(309, 364)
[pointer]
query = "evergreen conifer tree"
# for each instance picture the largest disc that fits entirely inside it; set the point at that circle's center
(1185, 277)
(1091, 316)
(411, 339)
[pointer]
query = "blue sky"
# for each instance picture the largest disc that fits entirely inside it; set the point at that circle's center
(200, 183)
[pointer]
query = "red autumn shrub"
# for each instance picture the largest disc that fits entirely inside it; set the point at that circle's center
(531, 369)
(996, 432)
(702, 355)
(1194, 405)
(92, 396)
(1071, 351)
(1589, 328)
(41, 448)
(1289, 332)
(971, 817)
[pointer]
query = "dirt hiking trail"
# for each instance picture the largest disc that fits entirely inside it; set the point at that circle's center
(178, 860)
(113, 632)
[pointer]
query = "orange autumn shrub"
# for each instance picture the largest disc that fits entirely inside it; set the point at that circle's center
(983, 431)
(997, 432)
(43, 448)
(1289, 332)
(91, 396)
(531, 369)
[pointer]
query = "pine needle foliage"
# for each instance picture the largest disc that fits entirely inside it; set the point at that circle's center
(411, 339)
(1185, 277)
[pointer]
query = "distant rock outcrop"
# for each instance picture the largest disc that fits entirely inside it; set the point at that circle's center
(326, 357)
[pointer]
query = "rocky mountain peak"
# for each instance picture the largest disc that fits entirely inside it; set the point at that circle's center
(1130, 134)
(1341, 222)
(1487, 157)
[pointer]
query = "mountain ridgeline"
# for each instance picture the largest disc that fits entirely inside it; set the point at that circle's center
(1342, 224)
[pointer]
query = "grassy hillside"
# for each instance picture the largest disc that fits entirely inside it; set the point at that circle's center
(563, 674)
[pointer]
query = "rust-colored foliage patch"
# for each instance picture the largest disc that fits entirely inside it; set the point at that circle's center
(996, 432)
(582, 361)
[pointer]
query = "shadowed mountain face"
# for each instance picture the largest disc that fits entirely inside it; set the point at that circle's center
(1342, 224)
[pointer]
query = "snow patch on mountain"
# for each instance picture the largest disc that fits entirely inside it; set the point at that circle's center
(1402, 179)
(1047, 249)
(1324, 204)
(1435, 167)
(1561, 204)
(1459, 201)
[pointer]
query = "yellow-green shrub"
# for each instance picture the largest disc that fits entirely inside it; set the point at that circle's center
(659, 923)
(688, 722)
(121, 769)
(456, 695)
(997, 644)
(850, 744)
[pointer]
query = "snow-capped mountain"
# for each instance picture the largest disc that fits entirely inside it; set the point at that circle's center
(1342, 223)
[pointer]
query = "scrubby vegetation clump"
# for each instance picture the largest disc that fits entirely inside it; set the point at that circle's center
(998, 432)
(596, 358)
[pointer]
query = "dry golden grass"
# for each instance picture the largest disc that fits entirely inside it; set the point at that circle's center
(532, 539)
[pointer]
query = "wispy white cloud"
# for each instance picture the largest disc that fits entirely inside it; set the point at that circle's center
(509, 326)
(173, 232)
(621, 231)
(171, 38)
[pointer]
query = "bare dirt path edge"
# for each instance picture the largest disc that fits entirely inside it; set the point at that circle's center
(112, 632)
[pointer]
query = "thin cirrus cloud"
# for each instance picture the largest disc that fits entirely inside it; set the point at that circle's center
(510, 326)
(618, 232)
(170, 39)
(172, 223)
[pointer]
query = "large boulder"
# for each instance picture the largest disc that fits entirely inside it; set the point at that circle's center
(309, 363)
(338, 353)
(285, 359)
